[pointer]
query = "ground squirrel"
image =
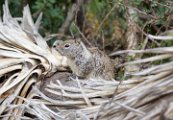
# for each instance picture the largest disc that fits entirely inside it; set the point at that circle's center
(86, 62)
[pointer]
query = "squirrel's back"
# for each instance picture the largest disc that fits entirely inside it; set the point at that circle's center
(103, 67)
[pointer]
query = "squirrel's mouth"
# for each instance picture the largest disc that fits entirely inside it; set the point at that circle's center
(60, 52)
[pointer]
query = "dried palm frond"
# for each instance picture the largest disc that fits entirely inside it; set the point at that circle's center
(147, 95)
(25, 58)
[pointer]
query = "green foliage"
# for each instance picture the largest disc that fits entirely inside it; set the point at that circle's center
(107, 16)
(53, 12)
(53, 15)
(160, 10)
(73, 29)
(137, 2)
(110, 13)
(97, 6)
(15, 7)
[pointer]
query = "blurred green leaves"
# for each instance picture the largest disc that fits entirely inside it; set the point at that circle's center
(157, 12)
(53, 14)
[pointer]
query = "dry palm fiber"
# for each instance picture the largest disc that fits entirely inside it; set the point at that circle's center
(25, 58)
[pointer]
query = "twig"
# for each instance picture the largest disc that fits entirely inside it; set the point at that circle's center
(104, 19)
(160, 37)
(143, 32)
(83, 94)
(83, 35)
(70, 16)
(144, 14)
(116, 90)
(109, 102)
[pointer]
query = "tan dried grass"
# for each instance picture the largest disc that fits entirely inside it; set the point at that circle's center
(25, 57)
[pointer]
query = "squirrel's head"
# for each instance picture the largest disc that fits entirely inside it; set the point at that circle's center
(69, 48)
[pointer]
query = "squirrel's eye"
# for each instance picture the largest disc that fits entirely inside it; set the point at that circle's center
(66, 45)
